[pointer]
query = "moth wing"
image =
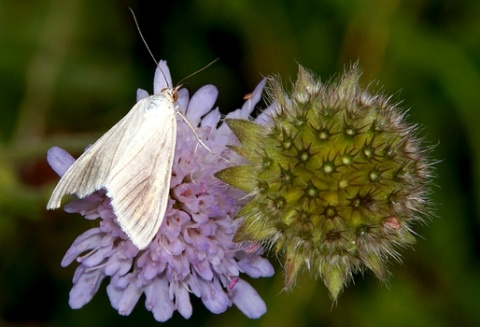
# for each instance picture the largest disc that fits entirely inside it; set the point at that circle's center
(139, 183)
(89, 172)
(133, 162)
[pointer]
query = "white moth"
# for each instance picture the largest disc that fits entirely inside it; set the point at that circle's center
(133, 162)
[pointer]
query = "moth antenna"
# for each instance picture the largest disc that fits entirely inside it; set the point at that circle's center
(166, 80)
(198, 71)
(141, 35)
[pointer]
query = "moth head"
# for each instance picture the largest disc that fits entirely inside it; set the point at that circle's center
(171, 92)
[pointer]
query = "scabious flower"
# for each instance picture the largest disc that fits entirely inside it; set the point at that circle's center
(193, 253)
(335, 179)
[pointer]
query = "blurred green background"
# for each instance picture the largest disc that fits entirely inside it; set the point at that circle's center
(69, 70)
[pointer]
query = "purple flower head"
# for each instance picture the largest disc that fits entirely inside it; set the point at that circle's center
(193, 252)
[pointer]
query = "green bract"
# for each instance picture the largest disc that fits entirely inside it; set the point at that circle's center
(334, 180)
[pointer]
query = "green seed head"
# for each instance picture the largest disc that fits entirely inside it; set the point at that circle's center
(335, 180)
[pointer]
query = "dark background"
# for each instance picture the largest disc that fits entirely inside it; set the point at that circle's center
(70, 69)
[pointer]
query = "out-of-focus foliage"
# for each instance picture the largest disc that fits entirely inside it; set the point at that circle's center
(69, 70)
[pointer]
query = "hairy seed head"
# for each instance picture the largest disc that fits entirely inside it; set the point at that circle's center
(335, 179)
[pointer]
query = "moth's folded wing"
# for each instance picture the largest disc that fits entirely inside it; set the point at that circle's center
(139, 184)
(89, 172)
